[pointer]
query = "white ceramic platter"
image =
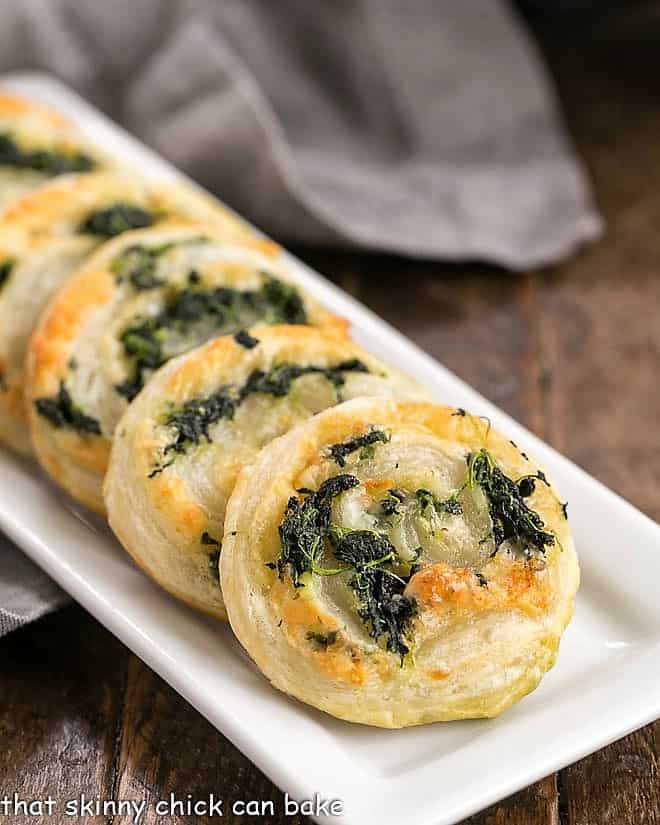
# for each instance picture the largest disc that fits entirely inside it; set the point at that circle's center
(605, 684)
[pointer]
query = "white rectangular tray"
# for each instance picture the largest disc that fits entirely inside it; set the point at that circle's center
(606, 682)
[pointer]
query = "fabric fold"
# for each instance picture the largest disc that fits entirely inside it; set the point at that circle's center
(26, 593)
(428, 129)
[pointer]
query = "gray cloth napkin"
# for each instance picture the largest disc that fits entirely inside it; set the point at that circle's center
(26, 593)
(422, 127)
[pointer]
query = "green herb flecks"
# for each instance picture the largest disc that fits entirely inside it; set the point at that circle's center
(339, 452)
(391, 504)
(382, 605)
(208, 540)
(190, 423)
(137, 265)
(214, 556)
(512, 519)
(221, 309)
(115, 219)
(322, 640)
(5, 270)
(193, 420)
(429, 503)
(305, 527)
(278, 380)
(61, 411)
(214, 559)
(48, 161)
(371, 559)
(281, 302)
(244, 339)
(527, 484)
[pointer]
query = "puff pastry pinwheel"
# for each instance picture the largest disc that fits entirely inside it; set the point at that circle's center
(47, 233)
(142, 299)
(182, 442)
(37, 143)
(397, 563)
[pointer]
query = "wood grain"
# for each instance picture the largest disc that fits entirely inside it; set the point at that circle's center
(61, 688)
(600, 333)
(572, 351)
(167, 747)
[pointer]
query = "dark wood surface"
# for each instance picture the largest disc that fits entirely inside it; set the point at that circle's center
(573, 352)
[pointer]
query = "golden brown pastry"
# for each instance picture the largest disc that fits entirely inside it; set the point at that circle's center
(47, 233)
(36, 144)
(138, 302)
(397, 563)
(180, 445)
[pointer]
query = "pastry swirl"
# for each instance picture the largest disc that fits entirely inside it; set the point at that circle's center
(427, 577)
(36, 144)
(44, 237)
(182, 442)
(141, 300)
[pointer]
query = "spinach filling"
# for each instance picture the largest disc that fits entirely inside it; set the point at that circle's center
(115, 219)
(214, 555)
(190, 424)
(209, 541)
(322, 640)
(244, 339)
(48, 161)
(223, 309)
(278, 380)
(306, 526)
(512, 519)
(214, 560)
(378, 573)
(5, 270)
(429, 503)
(137, 265)
(378, 589)
(391, 504)
(364, 443)
(370, 559)
(61, 411)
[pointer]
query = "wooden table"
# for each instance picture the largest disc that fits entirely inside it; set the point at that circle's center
(573, 352)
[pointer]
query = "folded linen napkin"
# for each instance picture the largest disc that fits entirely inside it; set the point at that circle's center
(426, 127)
(26, 593)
